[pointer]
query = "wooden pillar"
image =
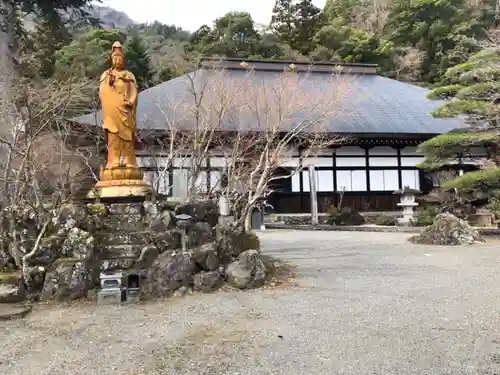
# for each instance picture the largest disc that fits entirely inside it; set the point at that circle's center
(314, 195)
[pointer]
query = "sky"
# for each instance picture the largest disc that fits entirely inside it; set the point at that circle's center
(191, 14)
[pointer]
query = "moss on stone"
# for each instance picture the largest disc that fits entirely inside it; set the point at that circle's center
(10, 277)
(249, 241)
(96, 208)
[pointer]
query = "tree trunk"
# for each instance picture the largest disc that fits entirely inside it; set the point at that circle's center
(248, 222)
(6, 70)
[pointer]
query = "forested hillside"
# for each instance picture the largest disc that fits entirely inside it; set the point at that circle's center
(410, 40)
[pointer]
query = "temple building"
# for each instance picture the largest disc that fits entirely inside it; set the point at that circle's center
(388, 120)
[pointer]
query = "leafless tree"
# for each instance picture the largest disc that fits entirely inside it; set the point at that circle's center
(41, 170)
(254, 123)
(373, 17)
(408, 63)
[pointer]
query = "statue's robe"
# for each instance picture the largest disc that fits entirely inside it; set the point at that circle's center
(118, 94)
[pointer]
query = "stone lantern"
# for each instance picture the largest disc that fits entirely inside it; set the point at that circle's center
(407, 203)
(183, 222)
(224, 203)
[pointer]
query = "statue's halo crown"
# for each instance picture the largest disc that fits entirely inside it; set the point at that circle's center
(117, 48)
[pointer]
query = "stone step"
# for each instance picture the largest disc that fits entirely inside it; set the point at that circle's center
(117, 264)
(124, 224)
(122, 251)
(124, 238)
(120, 209)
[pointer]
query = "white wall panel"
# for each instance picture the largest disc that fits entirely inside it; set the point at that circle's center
(179, 184)
(305, 181)
(318, 162)
(383, 161)
(351, 162)
(411, 179)
(215, 177)
(219, 161)
(384, 180)
(325, 181)
(350, 151)
(382, 150)
(159, 181)
(152, 161)
(407, 161)
(296, 182)
(358, 179)
(391, 180)
(351, 180)
(201, 185)
(410, 151)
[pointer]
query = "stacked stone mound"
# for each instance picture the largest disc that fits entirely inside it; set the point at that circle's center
(447, 229)
(231, 256)
(141, 238)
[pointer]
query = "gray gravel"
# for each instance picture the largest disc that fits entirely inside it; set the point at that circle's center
(366, 303)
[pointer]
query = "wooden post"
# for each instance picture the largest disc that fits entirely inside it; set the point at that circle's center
(314, 195)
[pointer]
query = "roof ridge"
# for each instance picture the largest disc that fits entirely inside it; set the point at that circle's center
(232, 63)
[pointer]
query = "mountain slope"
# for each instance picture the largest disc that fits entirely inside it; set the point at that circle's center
(111, 18)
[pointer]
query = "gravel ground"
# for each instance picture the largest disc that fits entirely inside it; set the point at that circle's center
(365, 303)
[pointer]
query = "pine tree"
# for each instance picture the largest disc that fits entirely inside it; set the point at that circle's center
(472, 90)
(47, 40)
(296, 23)
(445, 30)
(139, 62)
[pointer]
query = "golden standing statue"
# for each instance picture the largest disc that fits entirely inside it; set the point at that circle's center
(118, 94)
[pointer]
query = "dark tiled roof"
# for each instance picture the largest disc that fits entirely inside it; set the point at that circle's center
(373, 105)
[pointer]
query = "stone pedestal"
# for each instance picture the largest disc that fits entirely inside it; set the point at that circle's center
(407, 212)
(225, 211)
(407, 203)
(119, 183)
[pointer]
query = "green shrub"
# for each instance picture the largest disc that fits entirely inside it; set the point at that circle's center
(332, 213)
(494, 204)
(386, 220)
(424, 216)
(96, 208)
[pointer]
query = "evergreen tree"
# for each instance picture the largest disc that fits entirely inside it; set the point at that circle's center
(296, 22)
(473, 91)
(139, 63)
(46, 41)
(235, 35)
(49, 12)
(348, 44)
(89, 54)
(446, 30)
